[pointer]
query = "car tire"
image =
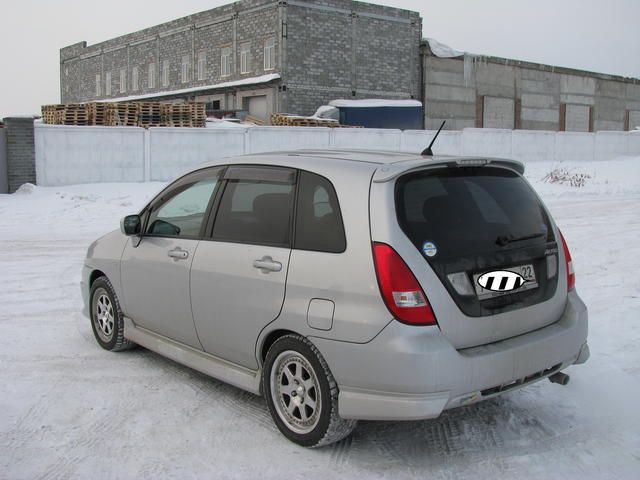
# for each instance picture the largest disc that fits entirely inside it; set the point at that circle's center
(106, 317)
(302, 394)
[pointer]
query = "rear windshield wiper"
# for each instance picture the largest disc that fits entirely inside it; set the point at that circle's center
(503, 240)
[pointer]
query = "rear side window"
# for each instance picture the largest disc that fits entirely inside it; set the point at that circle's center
(319, 224)
(255, 211)
(469, 211)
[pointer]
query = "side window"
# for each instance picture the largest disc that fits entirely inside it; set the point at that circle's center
(182, 214)
(256, 210)
(318, 219)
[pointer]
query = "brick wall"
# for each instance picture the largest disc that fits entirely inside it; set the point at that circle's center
(4, 184)
(21, 166)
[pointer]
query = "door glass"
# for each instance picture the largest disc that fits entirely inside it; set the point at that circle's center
(318, 221)
(256, 212)
(183, 213)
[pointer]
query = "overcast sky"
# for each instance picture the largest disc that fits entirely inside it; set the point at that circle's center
(596, 35)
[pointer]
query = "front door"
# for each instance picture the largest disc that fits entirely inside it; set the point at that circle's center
(155, 273)
(238, 275)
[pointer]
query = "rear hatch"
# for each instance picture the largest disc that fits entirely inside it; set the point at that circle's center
(485, 234)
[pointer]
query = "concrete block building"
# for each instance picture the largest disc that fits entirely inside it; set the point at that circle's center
(481, 91)
(292, 56)
(261, 56)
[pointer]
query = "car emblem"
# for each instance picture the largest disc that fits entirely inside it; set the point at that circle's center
(501, 281)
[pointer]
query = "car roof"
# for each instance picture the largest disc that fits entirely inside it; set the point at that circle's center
(389, 164)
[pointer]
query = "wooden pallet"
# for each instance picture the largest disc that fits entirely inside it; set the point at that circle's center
(286, 120)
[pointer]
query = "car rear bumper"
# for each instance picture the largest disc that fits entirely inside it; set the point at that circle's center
(409, 373)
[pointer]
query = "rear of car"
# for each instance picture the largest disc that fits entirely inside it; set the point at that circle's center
(480, 283)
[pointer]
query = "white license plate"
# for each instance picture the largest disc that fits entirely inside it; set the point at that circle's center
(525, 271)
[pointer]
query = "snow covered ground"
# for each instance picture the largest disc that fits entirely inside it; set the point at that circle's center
(68, 409)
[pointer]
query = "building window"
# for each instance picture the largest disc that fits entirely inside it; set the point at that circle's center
(98, 85)
(225, 62)
(245, 58)
(152, 75)
(270, 54)
(134, 78)
(123, 80)
(202, 65)
(165, 73)
(185, 69)
(107, 84)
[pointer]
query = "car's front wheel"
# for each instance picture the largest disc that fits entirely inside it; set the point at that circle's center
(106, 317)
(302, 394)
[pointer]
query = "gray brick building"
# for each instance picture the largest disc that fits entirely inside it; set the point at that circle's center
(257, 55)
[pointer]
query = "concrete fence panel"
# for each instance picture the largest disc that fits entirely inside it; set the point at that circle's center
(448, 142)
(70, 155)
(610, 145)
(273, 139)
(634, 143)
(367, 138)
(574, 146)
(487, 141)
(174, 150)
(531, 146)
(4, 179)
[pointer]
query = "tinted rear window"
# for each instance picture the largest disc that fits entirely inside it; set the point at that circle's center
(469, 211)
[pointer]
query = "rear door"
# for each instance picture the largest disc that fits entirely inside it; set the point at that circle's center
(238, 275)
(155, 271)
(471, 230)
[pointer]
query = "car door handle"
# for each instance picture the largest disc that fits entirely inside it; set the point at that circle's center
(267, 264)
(178, 253)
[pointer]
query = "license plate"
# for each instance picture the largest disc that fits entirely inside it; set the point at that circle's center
(525, 271)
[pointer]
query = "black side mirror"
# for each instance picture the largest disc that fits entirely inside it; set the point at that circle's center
(131, 225)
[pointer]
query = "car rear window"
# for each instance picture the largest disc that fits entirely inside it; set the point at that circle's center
(469, 210)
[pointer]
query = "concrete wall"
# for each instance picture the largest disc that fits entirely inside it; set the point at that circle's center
(20, 151)
(473, 91)
(70, 155)
(4, 181)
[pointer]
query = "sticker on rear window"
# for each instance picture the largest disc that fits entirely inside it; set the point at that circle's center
(429, 249)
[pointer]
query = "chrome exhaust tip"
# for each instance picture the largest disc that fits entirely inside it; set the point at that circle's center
(559, 378)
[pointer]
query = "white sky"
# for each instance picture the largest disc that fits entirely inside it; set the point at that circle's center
(596, 35)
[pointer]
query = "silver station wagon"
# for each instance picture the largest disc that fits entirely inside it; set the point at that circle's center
(345, 285)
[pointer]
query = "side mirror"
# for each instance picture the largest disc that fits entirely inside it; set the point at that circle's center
(131, 225)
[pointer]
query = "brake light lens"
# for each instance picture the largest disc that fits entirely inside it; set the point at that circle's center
(571, 276)
(400, 290)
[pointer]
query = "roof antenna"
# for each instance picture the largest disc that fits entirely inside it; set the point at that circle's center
(427, 152)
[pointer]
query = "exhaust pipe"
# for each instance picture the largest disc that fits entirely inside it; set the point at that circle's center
(559, 378)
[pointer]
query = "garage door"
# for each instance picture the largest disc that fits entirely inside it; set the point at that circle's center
(498, 113)
(256, 106)
(577, 118)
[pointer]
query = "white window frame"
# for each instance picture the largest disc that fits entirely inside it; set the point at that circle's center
(245, 57)
(107, 84)
(270, 54)
(225, 62)
(151, 80)
(123, 80)
(184, 69)
(202, 65)
(98, 85)
(165, 73)
(135, 78)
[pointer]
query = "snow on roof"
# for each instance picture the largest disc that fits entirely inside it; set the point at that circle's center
(443, 51)
(236, 83)
(375, 102)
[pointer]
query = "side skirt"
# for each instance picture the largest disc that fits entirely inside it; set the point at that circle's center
(211, 365)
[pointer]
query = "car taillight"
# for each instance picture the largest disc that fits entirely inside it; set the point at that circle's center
(400, 290)
(571, 276)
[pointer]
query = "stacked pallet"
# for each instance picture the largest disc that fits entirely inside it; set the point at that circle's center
(129, 114)
(286, 120)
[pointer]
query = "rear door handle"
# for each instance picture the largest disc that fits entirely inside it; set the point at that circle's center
(267, 264)
(178, 254)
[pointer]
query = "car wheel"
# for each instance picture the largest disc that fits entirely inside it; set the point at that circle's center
(106, 317)
(302, 394)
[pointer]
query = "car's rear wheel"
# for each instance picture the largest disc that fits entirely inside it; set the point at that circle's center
(106, 317)
(302, 394)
